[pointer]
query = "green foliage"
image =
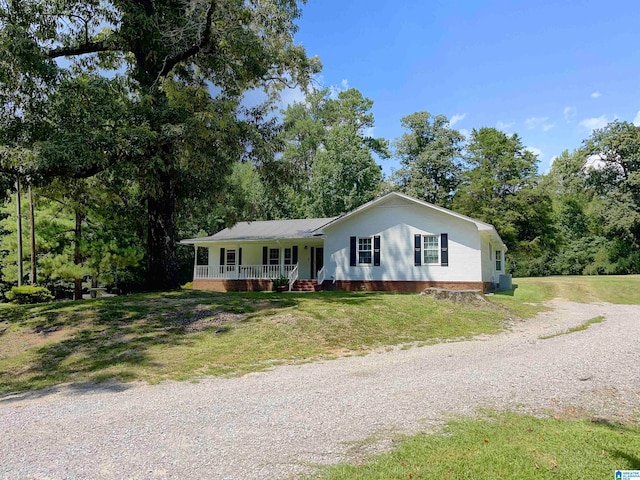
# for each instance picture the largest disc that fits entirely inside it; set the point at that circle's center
(328, 156)
(150, 92)
(281, 281)
(29, 294)
(431, 157)
(83, 228)
(502, 188)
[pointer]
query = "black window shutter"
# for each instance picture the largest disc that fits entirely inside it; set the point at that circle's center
(352, 253)
(417, 249)
(222, 256)
(376, 251)
(265, 255)
(444, 249)
(294, 254)
(240, 256)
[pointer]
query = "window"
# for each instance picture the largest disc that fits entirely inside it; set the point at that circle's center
(364, 250)
(274, 256)
(231, 257)
(498, 260)
(430, 249)
(287, 256)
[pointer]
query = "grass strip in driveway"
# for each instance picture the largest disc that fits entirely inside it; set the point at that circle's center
(188, 334)
(577, 328)
(506, 445)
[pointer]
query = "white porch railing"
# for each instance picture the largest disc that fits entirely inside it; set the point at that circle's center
(322, 273)
(293, 276)
(244, 272)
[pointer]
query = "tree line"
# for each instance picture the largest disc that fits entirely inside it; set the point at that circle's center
(128, 122)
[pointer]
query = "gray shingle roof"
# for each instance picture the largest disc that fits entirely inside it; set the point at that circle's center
(263, 230)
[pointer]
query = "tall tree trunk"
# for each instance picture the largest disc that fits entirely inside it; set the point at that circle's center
(32, 234)
(19, 230)
(77, 255)
(162, 264)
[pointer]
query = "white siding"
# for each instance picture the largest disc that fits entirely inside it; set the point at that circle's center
(489, 248)
(396, 222)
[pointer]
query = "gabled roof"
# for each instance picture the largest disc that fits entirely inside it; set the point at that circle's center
(309, 227)
(482, 226)
(266, 230)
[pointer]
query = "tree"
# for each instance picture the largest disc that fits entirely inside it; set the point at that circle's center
(502, 188)
(614, 175)
(328, 154)
(84, 227)
(172, 54)
(431, 157)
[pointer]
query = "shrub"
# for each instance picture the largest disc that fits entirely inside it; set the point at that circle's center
(280, 282)
(29, 294)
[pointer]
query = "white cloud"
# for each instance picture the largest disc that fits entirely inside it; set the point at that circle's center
(596, 95)
(594, 122)
(504, 125)
(457, 118)
(536, 151)
(336, 89)
(548, 126)
(548, 169)
(465, 132)
(636, 121)
(569, 113)
(534, 122)
(289, 96)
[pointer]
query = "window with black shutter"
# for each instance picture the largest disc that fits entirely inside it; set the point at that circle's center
(376, 250)
(353, 261)
(444, 249)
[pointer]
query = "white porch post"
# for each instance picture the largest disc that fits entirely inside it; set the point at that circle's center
(195, 260)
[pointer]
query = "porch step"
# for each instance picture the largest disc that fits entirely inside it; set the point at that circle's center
(304, 286)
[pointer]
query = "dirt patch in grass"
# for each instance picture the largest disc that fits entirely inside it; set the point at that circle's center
(203, 317)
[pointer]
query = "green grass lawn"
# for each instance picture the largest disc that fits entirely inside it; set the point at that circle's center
(506, 446)
(624, 289)
(188, 334)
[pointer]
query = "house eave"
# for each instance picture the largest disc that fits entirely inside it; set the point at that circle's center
(195, 241)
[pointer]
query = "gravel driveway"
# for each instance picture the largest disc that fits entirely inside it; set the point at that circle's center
(283, 423)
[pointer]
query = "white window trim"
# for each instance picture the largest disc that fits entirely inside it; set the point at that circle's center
(422, 249)
(499, 258)
(358, 262)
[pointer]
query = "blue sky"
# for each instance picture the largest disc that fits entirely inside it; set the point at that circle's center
(550, 71)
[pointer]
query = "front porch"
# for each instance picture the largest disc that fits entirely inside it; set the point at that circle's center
(233, 267)
(244, 272)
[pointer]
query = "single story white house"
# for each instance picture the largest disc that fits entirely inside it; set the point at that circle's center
(394, 242)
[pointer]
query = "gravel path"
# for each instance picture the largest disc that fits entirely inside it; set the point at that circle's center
(283, 423)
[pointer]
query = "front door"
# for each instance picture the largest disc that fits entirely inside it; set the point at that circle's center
(319, 260)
